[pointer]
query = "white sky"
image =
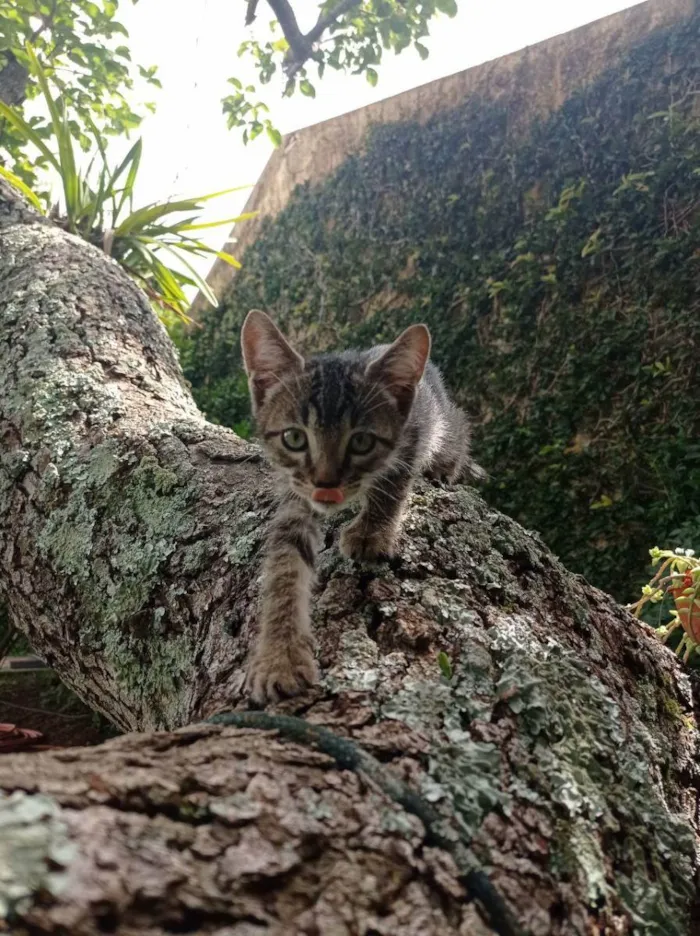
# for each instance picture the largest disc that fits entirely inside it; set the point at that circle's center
(189, 151)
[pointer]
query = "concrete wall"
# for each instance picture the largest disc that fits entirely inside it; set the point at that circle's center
(536, 80)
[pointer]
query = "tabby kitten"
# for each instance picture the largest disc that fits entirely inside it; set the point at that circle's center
(340, 429)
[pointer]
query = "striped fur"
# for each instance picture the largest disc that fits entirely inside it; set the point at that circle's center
(333, 403)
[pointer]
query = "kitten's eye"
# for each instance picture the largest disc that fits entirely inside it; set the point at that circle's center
(362, 443)
(295, 440)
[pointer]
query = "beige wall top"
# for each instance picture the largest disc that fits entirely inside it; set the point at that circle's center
(537, 80)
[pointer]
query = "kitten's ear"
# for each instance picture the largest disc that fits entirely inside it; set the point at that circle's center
(267, 355)
(401, 366)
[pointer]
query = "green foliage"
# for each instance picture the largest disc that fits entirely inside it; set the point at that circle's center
(225, 399)
(98, 206)
(241, 111)
(351, 37)
(558, 271)
(80, 45)
(677, 579)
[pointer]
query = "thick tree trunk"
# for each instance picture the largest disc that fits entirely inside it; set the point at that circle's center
(127, 523)
(559, 753)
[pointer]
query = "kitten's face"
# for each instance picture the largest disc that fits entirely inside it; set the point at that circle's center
(332, 423)
(329, 429)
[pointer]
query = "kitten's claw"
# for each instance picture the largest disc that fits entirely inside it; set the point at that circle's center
(357, 543)
(279, 671)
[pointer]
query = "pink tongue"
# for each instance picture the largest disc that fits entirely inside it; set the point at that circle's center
(328, 495)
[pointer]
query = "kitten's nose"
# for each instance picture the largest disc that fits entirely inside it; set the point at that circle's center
(322, 483)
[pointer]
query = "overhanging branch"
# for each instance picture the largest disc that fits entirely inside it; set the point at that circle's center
(301, 45)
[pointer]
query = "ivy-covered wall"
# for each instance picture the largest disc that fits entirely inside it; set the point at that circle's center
(559, 273)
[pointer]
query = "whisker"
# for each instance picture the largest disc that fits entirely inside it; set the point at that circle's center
(381, 488)
(398, 462)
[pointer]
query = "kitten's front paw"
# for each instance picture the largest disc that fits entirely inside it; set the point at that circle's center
(359, 543)
(280, 670)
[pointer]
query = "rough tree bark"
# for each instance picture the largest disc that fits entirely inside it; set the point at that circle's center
(561, 747)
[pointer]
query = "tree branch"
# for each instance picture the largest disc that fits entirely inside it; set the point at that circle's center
(298, 42)
(250, 13)
(301, 44)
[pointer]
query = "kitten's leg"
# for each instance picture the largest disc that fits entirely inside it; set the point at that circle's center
(374, 531)
(283, 662)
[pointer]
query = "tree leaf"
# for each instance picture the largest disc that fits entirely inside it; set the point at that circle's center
(422, 50)
(274, 135)
(445, 664)
(23, 188)
(447, 6)
(246, 216)
(28, 133)
(69, 175)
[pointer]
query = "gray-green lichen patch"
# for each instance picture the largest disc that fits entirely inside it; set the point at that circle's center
(461, 770)
(111, 528)
(357, 669)
(598, 771)
(67, 537)
(578, 854)
(445, 600)
(237, 809)
(35, 850)
(468, 772)
(315, 805)
(63, 394)
(15, 464)
(116, 528)
(420, 704)
(13, 467)
(246, 539)
(152, 668)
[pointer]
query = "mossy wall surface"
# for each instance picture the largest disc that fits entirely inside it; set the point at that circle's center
(559, 272)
